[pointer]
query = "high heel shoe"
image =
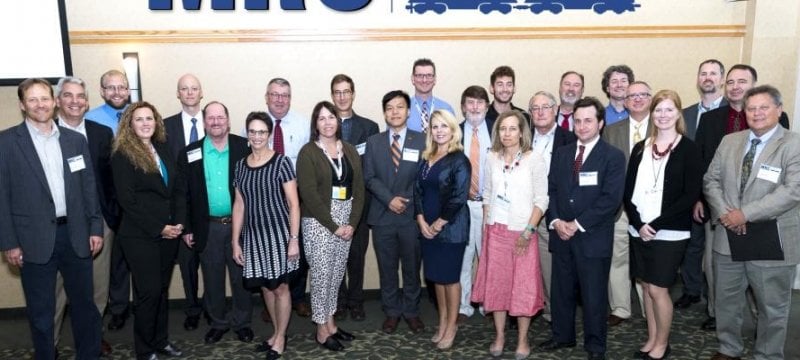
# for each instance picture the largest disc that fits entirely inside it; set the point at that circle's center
(663, 357)
(640, 355)
(330, 343)
(342, 335)
(495, 352)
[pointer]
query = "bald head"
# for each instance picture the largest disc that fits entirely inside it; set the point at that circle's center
(190, 92)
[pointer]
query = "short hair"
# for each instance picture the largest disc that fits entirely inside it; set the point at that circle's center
(258, 115)
(639, 82)
(69, 80)
(475, 92)
(546, 94)
(423, 62)
(525, 130)
(279, 81)
(227, 115)
(660, 97)
(591, 101)
(393, 94)
(454, 145)
(502, 71)
(315, 114)
(770, 90)
(28, 83)
(113, 72)
(338, 78)
(744, 67)
(622, 69)
(572, 72)
(712, 61)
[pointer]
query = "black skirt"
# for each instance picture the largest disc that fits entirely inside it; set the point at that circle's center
(656, 261)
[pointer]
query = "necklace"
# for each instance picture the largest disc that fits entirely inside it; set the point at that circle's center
(657, 155)
(514, 163)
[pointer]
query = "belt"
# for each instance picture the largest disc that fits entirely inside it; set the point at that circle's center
(224, 220)
(476, 198)
(61, 220)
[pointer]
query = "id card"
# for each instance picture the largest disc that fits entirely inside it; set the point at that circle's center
(361, 148)
(194, 155)
(503, 203)
(76, 163)
(769, 173)
(587, 178)
(411, 155)
(339, 193)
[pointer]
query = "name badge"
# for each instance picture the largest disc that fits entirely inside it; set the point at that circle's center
(76, 163)
(339, 192)
(769, 173)
(361, 148)
(195, 154)
(411, 155)
(503, 202)
(587, 178)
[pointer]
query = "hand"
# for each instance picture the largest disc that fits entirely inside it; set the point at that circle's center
(398, 204)
(293, 252)
(237, 253)
(741, 229)
(698, 213)
(14, 257)
(171, 231)
(647, 232)
(345, 232)
(522, 244)
(188, 239)
(564, 230)
(438, 225)
(733, 219)
(95, 244)
(425, 229)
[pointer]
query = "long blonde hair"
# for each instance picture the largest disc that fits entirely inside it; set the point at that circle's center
(454, 145)
(128, 144)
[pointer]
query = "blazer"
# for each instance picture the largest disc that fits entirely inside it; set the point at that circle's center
(361, 130)
(196, 190)
(690, 117)
(486, 122)
(314, 179)
(683, 182)
(762, 199)
(147, 203)
(593, 206)
(175, 138)
(618, 134)
(384, 183)
(27, 212)
(454, 181)
(560, 138)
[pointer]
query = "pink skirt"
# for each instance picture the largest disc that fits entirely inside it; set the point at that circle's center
(505, 281)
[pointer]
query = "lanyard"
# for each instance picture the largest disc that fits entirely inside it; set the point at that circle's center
(338, 168)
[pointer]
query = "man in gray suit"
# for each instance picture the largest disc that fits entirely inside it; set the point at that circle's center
(753, 178)
(623, 135)
(391, 161)
(50, 219)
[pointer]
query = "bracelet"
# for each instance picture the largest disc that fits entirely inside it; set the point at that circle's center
(293, 237)
(530, 228)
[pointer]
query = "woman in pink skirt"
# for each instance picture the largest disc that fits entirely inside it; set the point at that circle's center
(508, 281)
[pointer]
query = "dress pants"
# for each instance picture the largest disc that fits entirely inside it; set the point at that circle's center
(119, 286)
(351, 291)
(151, 262)
(189, 263)
(692, 265)
(398, 245)
(215, 258)
(772, 288)
(546, 262)
(619, 277)
(38, 284)
(472, 251)
(708, 268)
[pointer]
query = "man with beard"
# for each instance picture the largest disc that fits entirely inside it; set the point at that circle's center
(423, 103)
(115, 93)
(501, 85)
(570, 90)
(615, 84)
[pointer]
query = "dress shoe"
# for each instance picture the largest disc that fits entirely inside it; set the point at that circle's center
(357, 313)
(214, 335)
(302, 309)
(710, 324)
(273, 355)
(105, 348)
(191, 322)
(551, 345)
(244, 334)
(390, 324)
(415, 324)
(686, 300)
(614, 320)
(639, 354)
(263, 346)
(330, 344)
(721, 356)
(170, 350)
(595, 356)
(265, 316)
(664, 356)
(117, 322)
(342, 335)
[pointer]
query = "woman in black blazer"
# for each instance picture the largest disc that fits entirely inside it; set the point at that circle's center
(663, 182)
(152, 198)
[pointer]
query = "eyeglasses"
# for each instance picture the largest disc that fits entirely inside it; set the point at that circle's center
(638, 96)
(535, 109)
(278, 96)
(342, 93)
(255, 133)
(118, 88)
(424, 76)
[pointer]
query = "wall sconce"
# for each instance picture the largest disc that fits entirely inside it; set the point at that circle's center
(130, 63)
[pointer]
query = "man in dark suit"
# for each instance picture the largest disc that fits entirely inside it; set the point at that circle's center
(547, 138)
(355, 130)
(502, 85)
(50, 214)
(183, 129)
(208, 165)
(586, 183)
(72, 102)
(570, 90)
(391, 162)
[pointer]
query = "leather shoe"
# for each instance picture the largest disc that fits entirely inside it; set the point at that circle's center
(170, 350)
(710, 324)
(302, 309)
(595, 356)
(191, 322)
(244, 334)
(273, 355)
(551, 345)
(214, 335)
(664, 356)
(117, 321)
(390, 324)
(415, 324)
(330, 344)
(639, 354)
(614, 320)
(357, 313)
(686, 300)
(721, 356)
(105, 348)
(265, 316)
(342, 335)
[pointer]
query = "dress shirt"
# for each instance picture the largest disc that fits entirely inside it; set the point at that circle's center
(612, 115)
(525, 187)
(401, 140)
(543, 144)
(485, 142)
(106, 115)
(296, 132)
(187, 126)
(48, 149)
(215, 167)
(81, 128)
(642, 130)
(702, 109)
(764, 139)
(415, 115)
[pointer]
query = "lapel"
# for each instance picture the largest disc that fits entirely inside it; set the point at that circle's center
(28, 151)
(770, 148)
(598, 153)
(738, 156)
(63, 141)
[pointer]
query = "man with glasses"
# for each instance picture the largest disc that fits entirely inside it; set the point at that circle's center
(570, 90)
(623, 135)
(615, 83)
(114, 90)
(423, 103)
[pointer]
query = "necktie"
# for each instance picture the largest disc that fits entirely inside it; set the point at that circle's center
(277, 138)
(395, 148)
(474, 161)
(747, 163)
(424, 116)
(576, 167)
(737, 123)
(193, 131)
(565, 121)
(636, 135)
(119, 115)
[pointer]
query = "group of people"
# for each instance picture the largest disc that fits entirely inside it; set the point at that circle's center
(563, 204)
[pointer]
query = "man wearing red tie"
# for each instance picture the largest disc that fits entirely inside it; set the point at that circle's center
(570, 90)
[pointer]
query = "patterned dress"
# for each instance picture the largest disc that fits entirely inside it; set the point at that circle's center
(265, 232)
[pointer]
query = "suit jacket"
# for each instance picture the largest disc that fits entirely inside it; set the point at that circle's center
(690, 117)
(618, 134)
(384, 183)
(361, 129)
(762, 199)
(196, 190)
(175, 138)
(454, 181)
(489, 127)
(147, 203)
(560, 138)
(27, 211)
(592, 206)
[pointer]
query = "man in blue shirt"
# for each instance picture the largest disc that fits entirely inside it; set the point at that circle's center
(114, 90)
(615, 84)
(423, 76)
